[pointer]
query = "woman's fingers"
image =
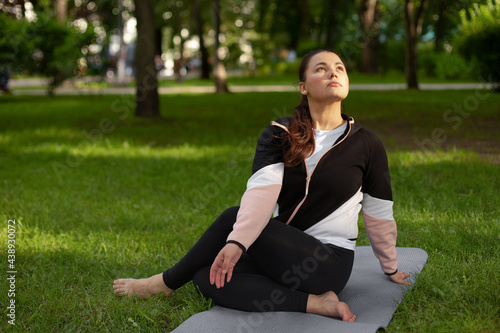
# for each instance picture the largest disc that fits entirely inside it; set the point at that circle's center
(219, 283)
(212, 273)
(223, 265)
(217, 273)
(400, 277)
(226, 268)
(214, 270)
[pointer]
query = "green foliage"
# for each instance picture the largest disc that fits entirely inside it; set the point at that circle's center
(43, 46)
(287, 68)
(56, 49)
(445, 65)
(392, 55)
(452, 66)
(443, 17)
(427, 62)
(479, 39)
(12, 41)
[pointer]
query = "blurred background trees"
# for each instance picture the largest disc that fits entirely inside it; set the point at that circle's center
(98, 38)
(41, 43)
(478, 41)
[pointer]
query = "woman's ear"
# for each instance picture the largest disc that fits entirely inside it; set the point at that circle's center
(302, 88)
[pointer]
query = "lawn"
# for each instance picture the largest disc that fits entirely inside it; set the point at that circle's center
(98, 194)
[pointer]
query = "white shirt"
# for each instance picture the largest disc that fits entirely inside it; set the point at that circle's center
(324, 140)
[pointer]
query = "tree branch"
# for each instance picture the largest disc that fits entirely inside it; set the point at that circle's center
(419, 20)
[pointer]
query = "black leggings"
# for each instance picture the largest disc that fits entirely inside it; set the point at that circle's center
(277, 273)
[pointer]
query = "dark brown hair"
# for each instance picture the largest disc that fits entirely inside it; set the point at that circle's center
(300, 139)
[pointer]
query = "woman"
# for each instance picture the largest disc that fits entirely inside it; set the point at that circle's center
(313, 172)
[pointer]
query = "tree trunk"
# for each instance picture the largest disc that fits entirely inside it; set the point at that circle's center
(263, 8)
(62, 10)
(330, 26)
(23, 8)
(122, 54)
(370, 33)
(438, 46)
(180, 63)
(413, 25)
(147, 101)
(158, 41)
(220, 76)
(205, 66)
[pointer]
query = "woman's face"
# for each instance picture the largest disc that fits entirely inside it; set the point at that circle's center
(326, 78)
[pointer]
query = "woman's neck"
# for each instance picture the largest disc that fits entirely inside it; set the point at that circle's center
(326, 117)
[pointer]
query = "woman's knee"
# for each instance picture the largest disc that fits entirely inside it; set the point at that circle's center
(201, 280)
(230, 213)
(227, 218)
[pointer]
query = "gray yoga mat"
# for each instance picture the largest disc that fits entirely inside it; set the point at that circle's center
(372, 297)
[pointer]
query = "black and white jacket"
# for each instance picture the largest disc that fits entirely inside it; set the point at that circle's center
(325, 202)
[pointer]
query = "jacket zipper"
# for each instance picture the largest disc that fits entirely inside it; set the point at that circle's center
(309, 175)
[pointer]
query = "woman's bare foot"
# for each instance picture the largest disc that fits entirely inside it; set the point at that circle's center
(328, 304)
(142, 288)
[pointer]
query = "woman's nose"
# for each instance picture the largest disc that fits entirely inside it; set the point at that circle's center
(332, 74)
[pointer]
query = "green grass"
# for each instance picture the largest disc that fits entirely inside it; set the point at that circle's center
(98, 194)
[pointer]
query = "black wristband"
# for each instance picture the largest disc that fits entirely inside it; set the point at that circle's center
(391, 274)
(237, 243)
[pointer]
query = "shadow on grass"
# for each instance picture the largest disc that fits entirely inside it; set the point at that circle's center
(69, 287)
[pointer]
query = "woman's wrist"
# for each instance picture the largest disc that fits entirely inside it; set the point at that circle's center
(241, 246)
(391, 274)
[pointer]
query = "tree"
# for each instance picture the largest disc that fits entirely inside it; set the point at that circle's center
(439, 27)
(172, 17)
(331, 21)
(147, 100)
(413, 24)
(330, 24)
(198, 21)
(288, 20)
(122, 54)
(62, 10)
(443, 17)
(220, 76)
(50, 48)
(479, 40)
(370, 31)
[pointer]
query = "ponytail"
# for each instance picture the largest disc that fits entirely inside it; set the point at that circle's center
(300, 138)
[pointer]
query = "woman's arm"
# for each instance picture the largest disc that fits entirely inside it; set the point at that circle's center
(257, 205)
(263, 189)
(377, 209)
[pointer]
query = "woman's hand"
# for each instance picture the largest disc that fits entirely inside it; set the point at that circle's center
(224, 264)
(400, 277)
